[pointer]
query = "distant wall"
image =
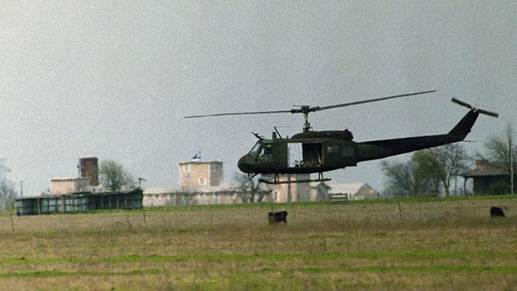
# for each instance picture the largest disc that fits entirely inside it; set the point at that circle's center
(186, 199)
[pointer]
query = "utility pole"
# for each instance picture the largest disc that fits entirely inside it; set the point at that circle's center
(510, 149)
(21, 189)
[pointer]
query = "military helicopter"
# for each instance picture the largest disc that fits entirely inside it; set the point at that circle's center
(321, 151)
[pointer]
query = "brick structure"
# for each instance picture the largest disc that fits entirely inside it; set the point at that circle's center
(89, 168)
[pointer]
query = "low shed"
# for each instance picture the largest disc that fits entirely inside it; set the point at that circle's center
(79, 202)
(489, 178)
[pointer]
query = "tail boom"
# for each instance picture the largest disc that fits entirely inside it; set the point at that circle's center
(378, 149)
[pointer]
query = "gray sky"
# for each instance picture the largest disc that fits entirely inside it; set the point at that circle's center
(113, 79)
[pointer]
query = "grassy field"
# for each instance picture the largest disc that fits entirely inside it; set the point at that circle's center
(427, 244)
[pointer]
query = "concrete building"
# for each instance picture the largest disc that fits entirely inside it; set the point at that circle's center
(292, 192)
(226, 193)
(344, 191)
(320, 192)
(201, 183)
(60, 186)
(87, 180)
(196, 175)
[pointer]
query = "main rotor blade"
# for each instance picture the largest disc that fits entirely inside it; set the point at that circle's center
(307, 109)
(370, 100)
(239, 113)
(461, 103)
(489, 113)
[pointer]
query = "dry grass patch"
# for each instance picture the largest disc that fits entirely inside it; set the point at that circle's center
(434, 244)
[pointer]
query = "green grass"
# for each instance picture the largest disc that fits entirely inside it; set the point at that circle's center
(433, 244)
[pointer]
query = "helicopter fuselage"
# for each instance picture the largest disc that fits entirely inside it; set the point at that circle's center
(322, 151)
(307, 152)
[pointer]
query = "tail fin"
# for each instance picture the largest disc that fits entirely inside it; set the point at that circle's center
(465, 125)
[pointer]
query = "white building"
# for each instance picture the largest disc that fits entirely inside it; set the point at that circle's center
(290, 190)
(344, 191)
(226, 193)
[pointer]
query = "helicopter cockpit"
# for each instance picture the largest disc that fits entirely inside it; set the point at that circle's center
(262, 151)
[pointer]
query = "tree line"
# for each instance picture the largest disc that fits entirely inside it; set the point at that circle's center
(431, 171)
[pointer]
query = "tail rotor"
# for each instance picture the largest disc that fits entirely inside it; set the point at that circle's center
(475, 109)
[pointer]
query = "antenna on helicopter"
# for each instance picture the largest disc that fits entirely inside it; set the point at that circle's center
(277, 132)
(257, 135)
(306, 109)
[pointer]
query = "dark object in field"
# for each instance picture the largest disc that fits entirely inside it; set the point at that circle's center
(496, 212)
(277, 217)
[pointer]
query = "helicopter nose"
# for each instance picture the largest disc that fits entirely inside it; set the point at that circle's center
(245, 164)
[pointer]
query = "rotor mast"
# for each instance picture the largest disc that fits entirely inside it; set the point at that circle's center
(305, 109)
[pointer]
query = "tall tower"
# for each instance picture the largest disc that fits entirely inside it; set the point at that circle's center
(199, 175)
(89, 168)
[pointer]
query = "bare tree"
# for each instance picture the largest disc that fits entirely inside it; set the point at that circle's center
(425, 173)
(442, 163)
(7, 187)
(428, 170)
(114, 176)
(249, 188)
(497, 151)
(502, 151)
(400, 178)
(7, 194)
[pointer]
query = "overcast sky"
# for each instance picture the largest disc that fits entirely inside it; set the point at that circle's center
(113, 79)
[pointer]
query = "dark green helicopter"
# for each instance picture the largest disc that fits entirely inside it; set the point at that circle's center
(321, 151)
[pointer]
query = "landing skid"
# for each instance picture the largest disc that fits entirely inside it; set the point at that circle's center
(276, 180)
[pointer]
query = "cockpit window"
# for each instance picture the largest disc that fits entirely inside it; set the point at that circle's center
(254, 149)
(262, 150)
(266, 152)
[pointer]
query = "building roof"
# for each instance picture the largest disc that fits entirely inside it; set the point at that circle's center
(80, 194)
(69, 179)
(200, 162)
(484, 168)
(160, 190)
(349, 188)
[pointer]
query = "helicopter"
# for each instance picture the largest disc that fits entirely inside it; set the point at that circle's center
(322, 151)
